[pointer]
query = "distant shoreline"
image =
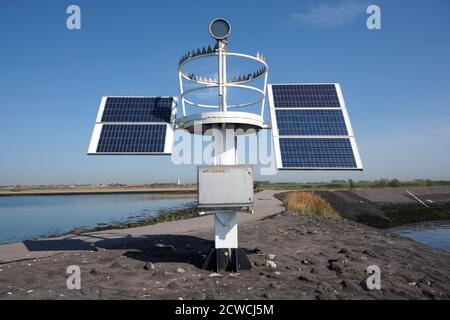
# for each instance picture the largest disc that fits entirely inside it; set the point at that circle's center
(98, 191)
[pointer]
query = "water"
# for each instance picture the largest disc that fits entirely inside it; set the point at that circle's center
(434, 234)
(26, 218)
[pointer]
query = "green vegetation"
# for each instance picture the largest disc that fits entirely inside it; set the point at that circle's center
(399, 214)
(350, 184)
(402, 214)
(309, 203)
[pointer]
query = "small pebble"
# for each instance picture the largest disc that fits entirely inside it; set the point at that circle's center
(271, 257)
(270, 264)
(181, 270)
(149, 266)
(214, 274)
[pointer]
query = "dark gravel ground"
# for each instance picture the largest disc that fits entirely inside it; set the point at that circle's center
(315, 259)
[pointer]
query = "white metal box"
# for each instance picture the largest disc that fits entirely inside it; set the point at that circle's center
(225, 186)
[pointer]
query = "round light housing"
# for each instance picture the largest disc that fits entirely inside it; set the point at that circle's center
(219, 29)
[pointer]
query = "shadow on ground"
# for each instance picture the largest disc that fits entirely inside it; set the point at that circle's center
(154, 248)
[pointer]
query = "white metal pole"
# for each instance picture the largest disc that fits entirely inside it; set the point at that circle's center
(225, 222)
(221, 45)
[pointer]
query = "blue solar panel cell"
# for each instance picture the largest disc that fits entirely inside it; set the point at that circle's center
(305, 96)
(311, 122)
(316, 153)
(137, 109)
(132, 138)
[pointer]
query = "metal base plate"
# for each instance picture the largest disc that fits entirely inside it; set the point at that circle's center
(221, 260)
(199, 123)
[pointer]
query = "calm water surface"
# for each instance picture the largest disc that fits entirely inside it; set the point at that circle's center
(434, 234)
(26, 218)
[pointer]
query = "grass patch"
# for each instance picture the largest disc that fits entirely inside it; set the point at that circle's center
(309, 203)
(404, 214)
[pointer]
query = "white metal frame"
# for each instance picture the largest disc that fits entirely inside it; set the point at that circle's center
(222, 83)
(276, 136)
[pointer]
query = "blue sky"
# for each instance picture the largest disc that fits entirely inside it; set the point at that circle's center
(396, 81)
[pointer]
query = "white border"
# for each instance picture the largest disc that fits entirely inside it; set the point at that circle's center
(276, 136)
(350, 131)
(95, 138)
(168, 142)
(101, 109)
(275, 132)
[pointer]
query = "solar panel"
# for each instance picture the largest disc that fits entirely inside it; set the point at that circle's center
(134, 126)
(311, 122)
(127, 138)
(318, 153)
(311, 128)
(136, 109)
(305, 96)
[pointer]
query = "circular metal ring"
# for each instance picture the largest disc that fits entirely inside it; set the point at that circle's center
(220, 29)
(235, 85)
(240, 55)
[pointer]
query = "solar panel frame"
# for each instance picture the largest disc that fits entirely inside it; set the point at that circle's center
(276, 135)
(99, 125)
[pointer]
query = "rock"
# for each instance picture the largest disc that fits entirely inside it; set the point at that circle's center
(160, 245)
(172, 285)
(270, 275)
(271, 265)
(369, 253)
(306, 278)
(116, 264)
(214, 274)
(149, 266)
(363, 284)
(270, 257)
(335, 266)
(94, 271)
(259, 262)
(275, 286)
(181, 270)
(349, 285)
(256, 250)
(343, 251)
(268, 295)
(428, 293)
(199, 296)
